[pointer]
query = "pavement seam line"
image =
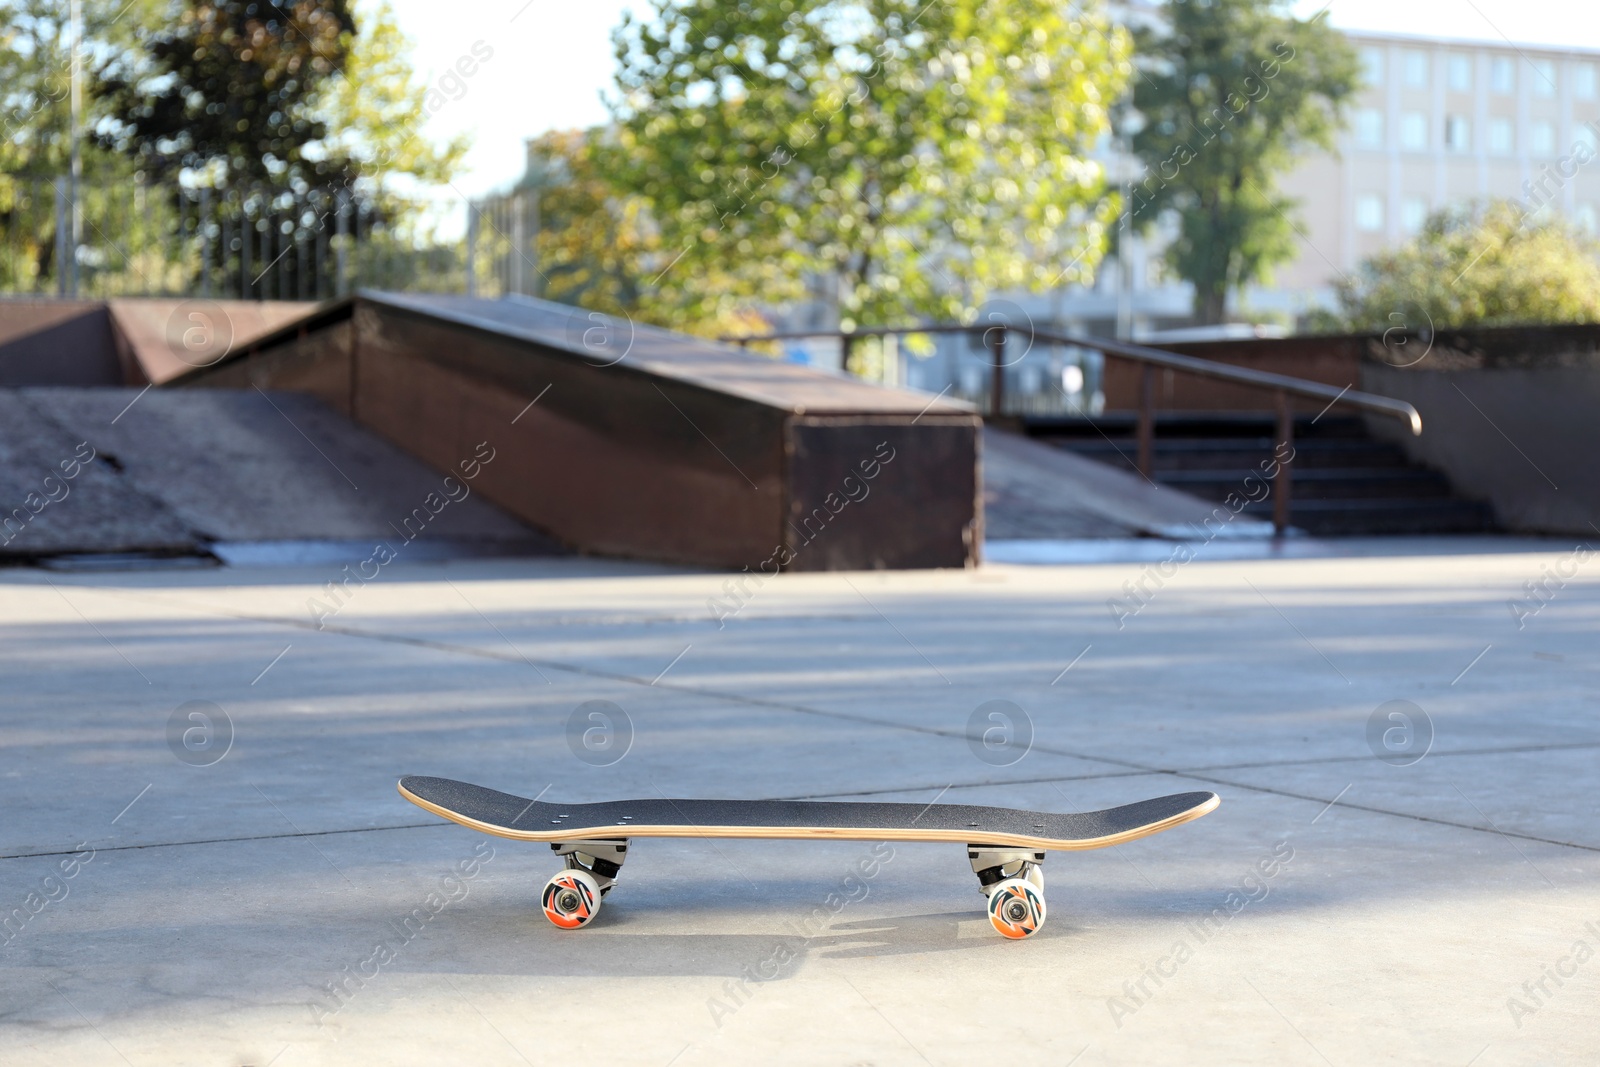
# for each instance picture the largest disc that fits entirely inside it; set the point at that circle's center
(225, 840)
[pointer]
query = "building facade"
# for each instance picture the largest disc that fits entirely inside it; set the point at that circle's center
(1442, 123)
(1438, 123)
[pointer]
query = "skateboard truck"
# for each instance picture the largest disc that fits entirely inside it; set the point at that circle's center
(572, 898)
(1013, 881)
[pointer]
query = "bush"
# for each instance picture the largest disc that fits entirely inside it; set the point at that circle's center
(1490, 264)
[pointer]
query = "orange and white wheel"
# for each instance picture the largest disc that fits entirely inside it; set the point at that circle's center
(572, 899)
(1016, 908)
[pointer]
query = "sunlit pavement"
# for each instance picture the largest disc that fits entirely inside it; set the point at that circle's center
(1404, 865)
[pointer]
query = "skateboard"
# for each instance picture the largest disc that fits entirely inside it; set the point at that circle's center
(1005, 846)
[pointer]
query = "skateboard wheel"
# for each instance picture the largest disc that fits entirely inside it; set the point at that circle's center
(571, 899)
(1016, 908)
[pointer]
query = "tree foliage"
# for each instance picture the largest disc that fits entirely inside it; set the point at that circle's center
(294, 94)
(598, 245)
(1230, 91)
(374, 112)
(1484, 265)
(36, 73)
(271, 109)
(230, 88)
(35, 119)
(911, 157)
(35, 86)
(594, 241)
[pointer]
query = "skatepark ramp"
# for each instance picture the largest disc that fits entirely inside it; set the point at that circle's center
(621, 439)
(115, 476)
(609, 438)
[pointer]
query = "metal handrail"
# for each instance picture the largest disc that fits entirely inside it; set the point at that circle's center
(1205, 368)
(1281, 385)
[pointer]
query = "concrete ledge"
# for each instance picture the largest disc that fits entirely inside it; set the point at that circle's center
(1522, 438)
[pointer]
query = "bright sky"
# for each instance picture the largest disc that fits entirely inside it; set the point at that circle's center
(552, 60)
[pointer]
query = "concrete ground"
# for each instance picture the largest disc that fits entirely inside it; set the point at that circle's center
(242, 899)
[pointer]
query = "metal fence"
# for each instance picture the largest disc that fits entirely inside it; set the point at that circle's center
(255, 243)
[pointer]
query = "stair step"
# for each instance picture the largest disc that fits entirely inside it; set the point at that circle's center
(1243, 424)
(1217, 444)
(1246, 454)
(1397, 516)
(1325, 483)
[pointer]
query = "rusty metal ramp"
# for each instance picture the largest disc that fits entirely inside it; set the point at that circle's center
(625, 440)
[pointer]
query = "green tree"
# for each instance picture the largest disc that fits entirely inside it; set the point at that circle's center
(1489, 264)
(910, 158)
(1229, 93)
(35, 119)
(236, 91)
(229, 89)
(373, 112)
(595, 241)
(36, 77)
(599, 246)
(35, 86)
(281, 112)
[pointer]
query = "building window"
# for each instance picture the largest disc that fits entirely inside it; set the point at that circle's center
(1372, 63)
(1458, 134)
(1416, 68)
(1542, 139)
(1584, 216)
(1501, 141)
(1502, 75)
(1584, 135)
(1369, 213)
(1544, 78)
(1369, 128)
(1413, 213)
(1461, 74)
(1583, 81)
(1414, 131)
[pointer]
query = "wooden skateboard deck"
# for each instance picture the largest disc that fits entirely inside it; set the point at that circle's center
(1005, 845)
(519, 818)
